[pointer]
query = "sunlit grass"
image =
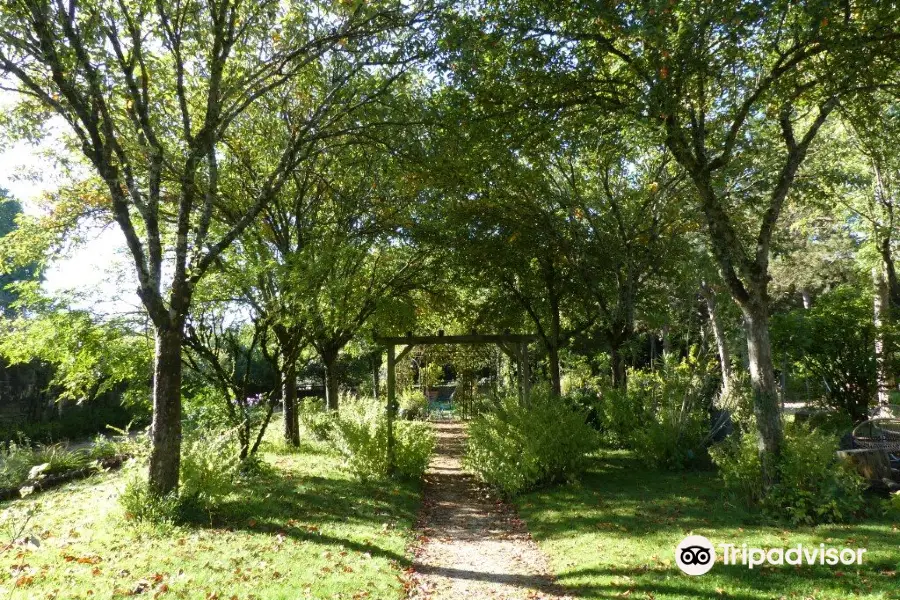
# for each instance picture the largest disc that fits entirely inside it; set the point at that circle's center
(614, 535)
(303, 528)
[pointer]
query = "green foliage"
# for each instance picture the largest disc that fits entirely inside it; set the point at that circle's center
(90, 357)
(516, 447)
(10, 273)
(812, 487)
(412, 404)
(739, 467)
(209, 466)
(360, 436)
(663, 414)
(316, 421)
(15, 463)
(833, 341)
(143, 507)
(209, 469)
(892, 504)
(21, 462)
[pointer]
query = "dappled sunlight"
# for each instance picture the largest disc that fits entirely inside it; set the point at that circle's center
(297, 523)
(614, 534)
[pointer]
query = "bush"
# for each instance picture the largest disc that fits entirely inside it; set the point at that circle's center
(316, 420)
(739, 467)
(663, 415)
(517, 447)
(832, 342)
(412, 404)
(21, 463)
(360, 436)
(892, 504)
(141, 506)
(813, 487)
(209, 466)
(15, 464)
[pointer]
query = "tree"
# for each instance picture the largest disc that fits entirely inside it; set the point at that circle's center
(154, 94)
(230, 355)
(90, 355)
(738, 90)
(358, 262)
(624, 215)
(834, 341)
(9, 209)
(875, 121)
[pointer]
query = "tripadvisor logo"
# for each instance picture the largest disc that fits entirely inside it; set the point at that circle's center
(695, 555)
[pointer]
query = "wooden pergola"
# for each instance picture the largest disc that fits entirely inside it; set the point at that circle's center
(512, 344)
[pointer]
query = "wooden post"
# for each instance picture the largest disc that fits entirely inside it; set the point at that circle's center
(391, 391)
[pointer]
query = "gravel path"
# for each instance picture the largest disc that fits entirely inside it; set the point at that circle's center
(471, 545)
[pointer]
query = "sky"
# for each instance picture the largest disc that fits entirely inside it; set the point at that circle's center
(97, 270)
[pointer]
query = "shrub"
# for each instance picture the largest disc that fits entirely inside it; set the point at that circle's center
(517, 447)
(587, 400)
(15, 463)
(209, 466)
(317, 421)
(103, 447)
(412, 404)
(360, 436)
(663, 415)
(737, 458)
(142, 506)
(813, 487)
(832, 342)
(892, 504)
(56, 459)
(20, 463)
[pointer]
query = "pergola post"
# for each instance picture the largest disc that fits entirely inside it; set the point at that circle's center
(391, 391)
(517, 350)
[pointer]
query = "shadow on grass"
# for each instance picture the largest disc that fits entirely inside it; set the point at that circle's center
(326, 510)
(615, 532)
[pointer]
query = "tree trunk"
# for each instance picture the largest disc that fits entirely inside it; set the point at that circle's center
(882, 310)
(165, 451)
(619, 377)
(331, 379)
(291, 425)
(874, 465)
(553, 346)
(555, 373)
(766, 406)
(376, 374)
(715, 322)
(807, 298)
(244, 439)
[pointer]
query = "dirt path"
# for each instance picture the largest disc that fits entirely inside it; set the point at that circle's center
(472, 546)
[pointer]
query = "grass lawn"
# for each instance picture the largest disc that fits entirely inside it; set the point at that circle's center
(614, 535)
(302, 529)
